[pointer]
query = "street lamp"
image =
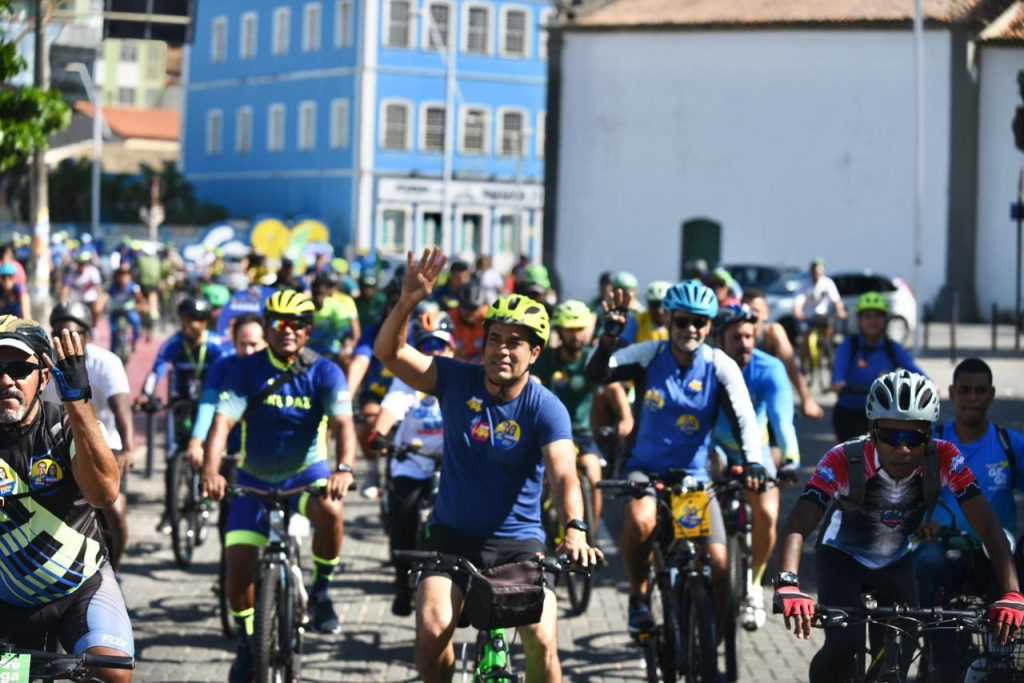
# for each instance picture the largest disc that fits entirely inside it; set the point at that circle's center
(97, 139)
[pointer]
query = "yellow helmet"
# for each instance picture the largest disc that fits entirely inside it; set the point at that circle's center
(872, 301)
(572, 315)
(291, 303)
(521, 310)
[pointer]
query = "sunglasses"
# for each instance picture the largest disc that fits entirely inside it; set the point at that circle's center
(430, 346)
(293, 324)
(17, 369)
(684, 321)
(911, 438)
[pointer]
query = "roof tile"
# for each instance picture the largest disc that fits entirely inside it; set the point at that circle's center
(128, 122)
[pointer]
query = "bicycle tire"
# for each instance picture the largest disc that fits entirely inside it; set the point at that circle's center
(697, 612)
(150, 442)
(668, 630)
(287, 629)
(651, 659)
(265, 638)
(737, 592)
(180, 508)
(580, 586)
(227, 622)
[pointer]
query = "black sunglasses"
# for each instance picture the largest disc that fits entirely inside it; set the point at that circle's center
(685, 321)
(17, 369)
(911, 438)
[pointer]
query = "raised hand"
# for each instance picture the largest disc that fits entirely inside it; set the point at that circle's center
(420, 276)
(616, 312)
(69, 372)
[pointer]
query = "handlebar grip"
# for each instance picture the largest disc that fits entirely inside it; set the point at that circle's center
(414, 555)
(108, 661)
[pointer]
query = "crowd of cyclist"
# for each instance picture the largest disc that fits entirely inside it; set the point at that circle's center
(300, 369)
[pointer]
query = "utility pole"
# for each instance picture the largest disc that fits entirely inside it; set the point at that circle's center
(40, 284)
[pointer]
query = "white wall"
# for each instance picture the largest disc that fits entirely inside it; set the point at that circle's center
(999, 162)
(800, 143)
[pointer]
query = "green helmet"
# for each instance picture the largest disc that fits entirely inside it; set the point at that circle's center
(657, 290)
(521, 310)
(217, 295)
(625, 280)
(536, 276)
(872, 301)
(572, 314)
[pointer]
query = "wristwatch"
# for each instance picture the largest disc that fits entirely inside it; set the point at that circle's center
(578, 524)
(343, 468)
(787, 579)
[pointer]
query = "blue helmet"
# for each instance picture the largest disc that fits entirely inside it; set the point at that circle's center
(730, 315)
(693, 297)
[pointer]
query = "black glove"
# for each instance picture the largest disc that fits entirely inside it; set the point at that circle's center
(789, 472)
(72, 379)
(756, 476)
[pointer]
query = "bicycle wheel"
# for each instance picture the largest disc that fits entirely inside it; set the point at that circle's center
(737, 592)
(227, 622)
(266, 639)
(701, 665)
(663, 598)
(182, 509)
(287, 630)
(580, 585)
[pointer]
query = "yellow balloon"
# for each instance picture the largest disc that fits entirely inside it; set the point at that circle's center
(318, 232)
(270, 237)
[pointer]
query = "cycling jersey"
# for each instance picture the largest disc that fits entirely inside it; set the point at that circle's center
(893, 509)
(51, 544)
(10, 302)
(188, 365)
(286, 433)
(991, 469)
(421, 420)
(819, 298)
(647, 330)
(378, 378)
(332, 324)
(568, 381)
(678, 407)
(85, 283)
(123, 299)
(493, 465)
(249, 300)
(772, 397)
(870, 363)
(213, 384)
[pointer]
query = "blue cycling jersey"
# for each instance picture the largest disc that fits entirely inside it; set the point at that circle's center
(772, 396)
(378, 378)
(858, 371)
(188, 365)
(249, 300)
(213, 384)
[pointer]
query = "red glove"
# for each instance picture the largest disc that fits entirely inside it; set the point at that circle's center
(793, 603)
(1008, 610)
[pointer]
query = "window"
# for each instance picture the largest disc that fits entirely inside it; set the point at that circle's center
(508, 233)
(512, 133)
(247, 40)
(219, 40)
(311, 27)
(214, 128)
(432, 127)
(395, 131)
(282, 30)
(542, 36)
(432, 230)
(307, 126)
(478, 29)
(129, 52)
(275, 128)
(339, 124)
(392, 230)
(398, 24)
(474, 131)
(542, 122)
(438, 32)
(343, 23)
(243, 130)
(126, 97)
(514, 34)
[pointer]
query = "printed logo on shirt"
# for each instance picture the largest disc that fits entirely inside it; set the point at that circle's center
(297, 402)
(475, 404)
(689, 424)
(654, 399)
(507, 434)
(696, 386)
(7, 481)
(958, 464)
(892, 518)
(479, 430)
(999, 472)
(45, 472)
(827, 475)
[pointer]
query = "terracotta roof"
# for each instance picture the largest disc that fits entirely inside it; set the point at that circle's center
(1008, 28)
(729, 13)
(127, 122)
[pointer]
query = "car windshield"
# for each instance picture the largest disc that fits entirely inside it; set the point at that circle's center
(790, 282)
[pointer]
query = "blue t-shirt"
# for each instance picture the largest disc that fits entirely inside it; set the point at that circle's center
(868, 365)
(286, 433)
(772, 395)
(493, 468)
(251, 300)
(987, 459)
(213, 384)
(378, 378)
(187, 367)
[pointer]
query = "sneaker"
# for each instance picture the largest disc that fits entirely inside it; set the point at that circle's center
(325, 619)
(164, 525)
(752, 613)
(242, 668)
(640, 617)
(371, 492)
(401, 606)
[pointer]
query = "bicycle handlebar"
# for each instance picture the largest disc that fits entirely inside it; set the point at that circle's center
(674, 480)
(926, 618)
(281, 495)
(556, 565)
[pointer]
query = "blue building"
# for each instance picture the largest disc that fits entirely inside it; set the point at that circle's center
(335, 109)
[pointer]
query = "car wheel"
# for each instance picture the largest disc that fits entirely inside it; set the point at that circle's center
(899, 329)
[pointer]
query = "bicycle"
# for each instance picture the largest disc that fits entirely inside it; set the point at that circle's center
(579, 587)
(123, 340)
(817, 353)
(227, 621)
(189, 512)
(19, 665)
(492, 653)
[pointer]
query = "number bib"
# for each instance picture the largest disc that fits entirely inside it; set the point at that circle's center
(690, 515)
(14, 668)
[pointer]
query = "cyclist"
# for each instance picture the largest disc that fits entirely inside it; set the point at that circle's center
(187, 355)
(13, 297)
(815, 306)
(562, 371)
(283, 396)
(772, 337)
(419, 418)
(681, 385)
(370, 302)
(652, 324)
(859, 360)
(727, 290)
(501, 432)
(84, 284)
(449, 295)
(627, 283)
(111, 401)
(149, 269)
(55, 455)
(877, 492)
(218, 296)
(773, 403)
(336, 321)
(468, 319)
(993, 454)
(248, 301)
(125, 298)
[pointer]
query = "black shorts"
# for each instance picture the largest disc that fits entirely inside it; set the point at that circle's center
(93, 616)
(484, 553)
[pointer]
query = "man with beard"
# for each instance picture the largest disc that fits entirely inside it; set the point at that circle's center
(51, 457)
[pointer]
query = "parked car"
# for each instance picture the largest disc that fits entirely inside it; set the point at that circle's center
(851, 284)
(760, 276)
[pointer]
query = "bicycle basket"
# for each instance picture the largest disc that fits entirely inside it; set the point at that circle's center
(996, 663)
(505, 596)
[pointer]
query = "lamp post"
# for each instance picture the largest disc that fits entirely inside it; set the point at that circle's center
(919, 158)
(97, 140)
(450, 87)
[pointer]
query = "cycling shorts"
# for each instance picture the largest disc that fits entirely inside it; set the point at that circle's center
(714, 509)
(586, 445)
(93, 616)
(247, 517)
(483, 553)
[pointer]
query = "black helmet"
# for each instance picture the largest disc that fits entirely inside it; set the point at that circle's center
(76, 312)
(394, 286)
(472, 296)
(429, 321)
(326, 279)
(194, 309)
(25, 335)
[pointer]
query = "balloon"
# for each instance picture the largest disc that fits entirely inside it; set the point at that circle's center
(270, 237)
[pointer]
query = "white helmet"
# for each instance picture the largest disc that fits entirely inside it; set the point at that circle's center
(903, 395)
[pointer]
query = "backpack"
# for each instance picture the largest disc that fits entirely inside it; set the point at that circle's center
(854, 500)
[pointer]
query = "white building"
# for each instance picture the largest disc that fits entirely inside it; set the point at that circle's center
(778, 132)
